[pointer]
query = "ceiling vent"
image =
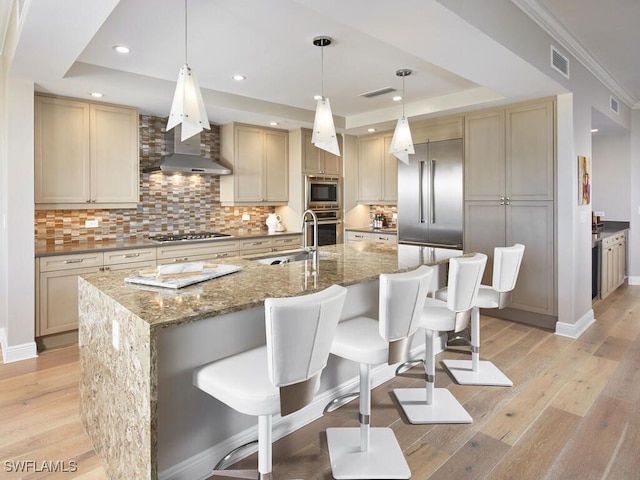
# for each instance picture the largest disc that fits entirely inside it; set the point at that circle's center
(615, 106)
(559, 62)
(380, 91)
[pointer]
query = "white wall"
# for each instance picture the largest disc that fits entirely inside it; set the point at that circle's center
(611, 176)
(633, 241)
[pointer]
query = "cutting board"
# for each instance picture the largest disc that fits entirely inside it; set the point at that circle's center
(183, 281)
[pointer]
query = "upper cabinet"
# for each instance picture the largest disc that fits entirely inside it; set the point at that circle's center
(86, 154)
(509, 153)
(259, 160)
(377, 170)
(318, 161)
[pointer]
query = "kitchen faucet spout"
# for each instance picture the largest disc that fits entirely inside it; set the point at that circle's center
(313, 248)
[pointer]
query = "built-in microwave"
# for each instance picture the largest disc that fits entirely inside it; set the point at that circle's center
(322, 192)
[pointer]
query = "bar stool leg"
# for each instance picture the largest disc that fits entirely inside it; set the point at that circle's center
(438, 405)
(365, 452)
(476, 372)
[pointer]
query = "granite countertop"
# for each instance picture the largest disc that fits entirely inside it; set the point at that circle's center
(43, 249)
(343, 264)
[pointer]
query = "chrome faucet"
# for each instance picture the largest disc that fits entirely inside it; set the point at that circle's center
(313, 249)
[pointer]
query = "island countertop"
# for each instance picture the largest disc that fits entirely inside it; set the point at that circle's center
(343, 264)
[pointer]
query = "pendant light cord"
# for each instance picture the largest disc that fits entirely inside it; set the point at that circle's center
(185, 33)
(403, 96)
(322, 71)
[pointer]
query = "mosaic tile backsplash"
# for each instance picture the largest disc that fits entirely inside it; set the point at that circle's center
(171, 204)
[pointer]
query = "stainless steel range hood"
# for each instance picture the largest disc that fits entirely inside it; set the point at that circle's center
(184, 157)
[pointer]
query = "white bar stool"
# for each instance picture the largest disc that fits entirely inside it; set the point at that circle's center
(438, 405)
(282, 376)
(365, 452)
(506, 265)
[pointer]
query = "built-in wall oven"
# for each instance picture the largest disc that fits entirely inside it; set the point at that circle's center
(322, 195)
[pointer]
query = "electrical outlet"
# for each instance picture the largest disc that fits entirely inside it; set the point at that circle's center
(115, 334)
(599, 214)
(91, 224)
(394, 216)
(246, 217)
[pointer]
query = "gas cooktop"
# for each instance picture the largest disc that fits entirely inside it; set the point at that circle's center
(187, 236)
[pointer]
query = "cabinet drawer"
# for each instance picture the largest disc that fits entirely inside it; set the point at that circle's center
(188, 252)
(149, 265)
(129, 256)
(69, 262)
(288, 242)
(254, 244)
(358, 237)
(383, 238)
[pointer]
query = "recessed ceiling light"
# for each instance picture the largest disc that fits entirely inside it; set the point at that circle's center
(594, 130)
(239, 78)
(371, 130)
(96, 94)
(121, 49)
(397, 98)
(273, 124)
(317, 97)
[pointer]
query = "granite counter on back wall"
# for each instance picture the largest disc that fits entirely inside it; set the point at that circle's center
(137, 402)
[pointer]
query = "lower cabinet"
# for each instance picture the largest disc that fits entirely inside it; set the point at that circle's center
(57, 283)
(376, 237)
(256, 246)
(614, 258)
(208, 251)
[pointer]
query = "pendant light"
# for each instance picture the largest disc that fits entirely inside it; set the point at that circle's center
(187, 108)
(402, 143)
(324, 131)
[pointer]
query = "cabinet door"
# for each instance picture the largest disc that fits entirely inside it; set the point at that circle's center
(531, 224)
(622, 259)
(287, 243)
(276, 169)
(484, 229)
(484, 156)
(310, 157)
(358, 237)
(389, 192)
(330, 164)
(61, 151)
(115, 172)
(369, 171)
(248, 172)
(530, 152)
(58, 295)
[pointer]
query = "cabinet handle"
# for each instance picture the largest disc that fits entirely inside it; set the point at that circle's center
(508, 201)
(75, 260)
(359, 236)
(218, 255)
(501, 200)
(88, 200)
(183, 259)
(257, 243)
(130, 255)
(106, 268)
(287, 240)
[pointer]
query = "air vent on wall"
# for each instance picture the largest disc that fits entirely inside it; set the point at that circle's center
(380, 91)
(559, 62)
(615, 107)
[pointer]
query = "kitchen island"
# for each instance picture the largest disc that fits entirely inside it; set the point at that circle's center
(139, 345)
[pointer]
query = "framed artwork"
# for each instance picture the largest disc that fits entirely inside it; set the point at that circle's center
(584, 180)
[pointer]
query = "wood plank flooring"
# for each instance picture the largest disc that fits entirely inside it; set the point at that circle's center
(573, 412)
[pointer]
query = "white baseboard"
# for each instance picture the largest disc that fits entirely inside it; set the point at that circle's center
(3, 340)
(574, 330)
(17, 352)
(633, 280)
(199, 466)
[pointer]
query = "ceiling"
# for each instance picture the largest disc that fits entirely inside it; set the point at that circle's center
(66, 47)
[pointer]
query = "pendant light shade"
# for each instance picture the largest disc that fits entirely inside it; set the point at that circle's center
(187, 107)
(402, 143)
(324, 131)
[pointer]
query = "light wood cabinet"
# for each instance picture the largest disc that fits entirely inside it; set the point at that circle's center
(377, 170)
(254, 246)
(509, 195)
(376, 237)
(259, 160)
(207, 251)
(614, 258)
(86, 154)
(57, 283)
(318, 161)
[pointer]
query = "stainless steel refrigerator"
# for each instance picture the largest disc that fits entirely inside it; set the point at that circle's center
(430, 195)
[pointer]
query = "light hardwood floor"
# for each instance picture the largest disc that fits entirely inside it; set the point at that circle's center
(573, 412)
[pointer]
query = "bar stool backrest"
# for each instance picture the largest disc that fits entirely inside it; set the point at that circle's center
(506, 265)
(299, 332)
(465, 275)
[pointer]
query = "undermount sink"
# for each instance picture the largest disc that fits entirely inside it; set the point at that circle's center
(286, 257)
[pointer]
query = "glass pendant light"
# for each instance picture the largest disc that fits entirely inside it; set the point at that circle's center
(188, 107)
(402, 143)
(324, 131)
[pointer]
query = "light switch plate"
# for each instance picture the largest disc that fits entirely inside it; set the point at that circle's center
(91, 224)
(246, 217)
